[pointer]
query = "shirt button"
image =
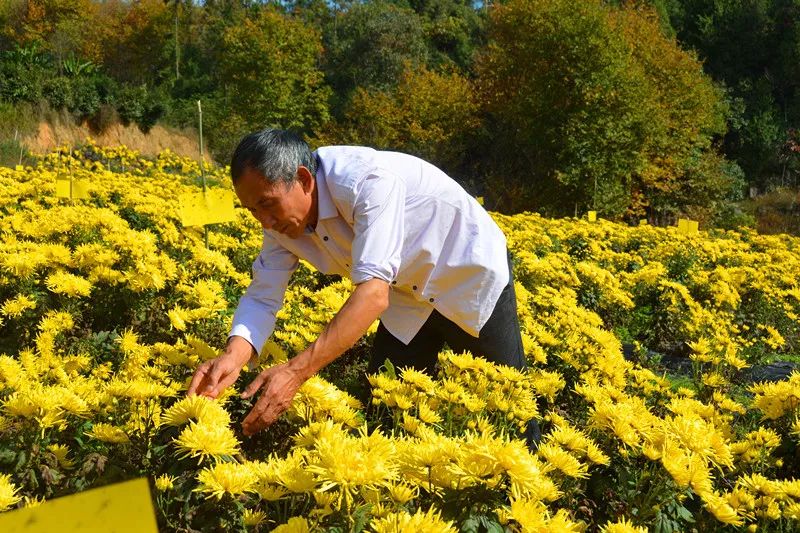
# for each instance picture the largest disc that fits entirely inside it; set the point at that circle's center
(414, 288)
(431, 300)
(394, 283)
(325, 238)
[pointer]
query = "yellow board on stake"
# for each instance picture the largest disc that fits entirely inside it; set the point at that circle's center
(479, 199)
(642, 221)
(683, 226)
(120, 508)
(63, 189)
(210, 207)
(592, 216)
(80, 189)
(77, 190)
(692, 226)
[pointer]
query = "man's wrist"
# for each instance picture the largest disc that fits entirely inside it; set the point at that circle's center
(302, 366)
(240, 350)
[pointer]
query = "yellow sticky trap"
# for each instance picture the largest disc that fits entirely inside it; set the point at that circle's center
(211, 207)
(683, 226)
(19, 168)
(80, 189)
(642, 221)
(592, 216)
(122, 508)
(480, 199)
(692, 226)
(63, 189)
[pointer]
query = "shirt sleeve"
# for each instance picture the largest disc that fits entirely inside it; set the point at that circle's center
(378, 214)
(254, 318)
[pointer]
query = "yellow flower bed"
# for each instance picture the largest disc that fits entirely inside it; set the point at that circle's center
(108, 304)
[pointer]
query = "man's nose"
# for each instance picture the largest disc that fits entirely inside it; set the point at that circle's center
(266, 221)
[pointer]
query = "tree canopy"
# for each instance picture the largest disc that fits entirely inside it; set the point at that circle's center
(628, 107)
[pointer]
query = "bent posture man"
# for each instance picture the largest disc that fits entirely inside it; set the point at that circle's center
(425, 257)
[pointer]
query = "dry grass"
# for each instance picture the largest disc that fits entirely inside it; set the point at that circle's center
(777, 211)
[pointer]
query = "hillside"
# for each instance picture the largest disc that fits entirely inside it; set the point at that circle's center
(50, 135)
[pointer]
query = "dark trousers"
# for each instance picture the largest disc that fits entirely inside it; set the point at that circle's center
(499, 341)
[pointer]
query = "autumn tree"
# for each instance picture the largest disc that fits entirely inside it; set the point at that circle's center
(268, 76)
(454, 30)
(682, 167)
(428, 114)
(564, 103)
(590, 106)
(369, 44)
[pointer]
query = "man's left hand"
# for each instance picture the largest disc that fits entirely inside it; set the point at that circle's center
(279, 384)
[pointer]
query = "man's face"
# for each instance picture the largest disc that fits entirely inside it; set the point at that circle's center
(286, 209)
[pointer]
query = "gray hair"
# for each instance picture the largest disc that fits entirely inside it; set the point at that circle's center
(276, 154)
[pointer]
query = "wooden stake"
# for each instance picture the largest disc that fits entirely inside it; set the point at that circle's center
(202, 163)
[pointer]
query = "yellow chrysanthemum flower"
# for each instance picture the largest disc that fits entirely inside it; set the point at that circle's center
(197, 408)
(721, 509)
(178, 317)
(562, 460)
(252, 518)
(341, 461)
(206, 440)
(226, 478)
(14, 307)
(108, 433)
(8, 493)
(421, 522)
(294, 525)
(165, 482)
(622, 526)
(61, 451)
(402, 493)
(68, 284)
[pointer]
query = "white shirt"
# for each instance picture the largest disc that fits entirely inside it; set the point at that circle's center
(394, 217)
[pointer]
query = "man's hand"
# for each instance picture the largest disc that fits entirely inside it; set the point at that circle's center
(215, 375)
(279, 384)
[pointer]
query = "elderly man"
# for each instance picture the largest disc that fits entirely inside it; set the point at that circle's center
(424, 256)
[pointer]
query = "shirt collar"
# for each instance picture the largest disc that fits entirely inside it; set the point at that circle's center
(325, 206)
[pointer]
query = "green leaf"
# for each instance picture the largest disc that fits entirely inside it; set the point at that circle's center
(684, 513)
(470, 525)
(491, 525)
(390, 370)
(361, 517)
(7, 456)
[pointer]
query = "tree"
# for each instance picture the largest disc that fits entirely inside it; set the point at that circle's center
(428, 114)
(752, 47)
(682, 167)
(135, 38)
(64, 28)
(268, 76)
(454, 29)
(565, 115)
(177, 10)
(369, 45)
(593, 106)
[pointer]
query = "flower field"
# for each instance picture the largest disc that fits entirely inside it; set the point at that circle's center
(107, 305)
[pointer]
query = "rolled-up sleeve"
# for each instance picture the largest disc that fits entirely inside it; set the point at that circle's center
(254, 318)
(378, 209)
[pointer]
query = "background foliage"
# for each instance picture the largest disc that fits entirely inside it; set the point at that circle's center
(635, 108)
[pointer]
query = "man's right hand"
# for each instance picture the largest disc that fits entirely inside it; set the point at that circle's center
(215, 375)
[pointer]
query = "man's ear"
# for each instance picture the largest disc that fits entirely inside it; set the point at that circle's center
(305, 178)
